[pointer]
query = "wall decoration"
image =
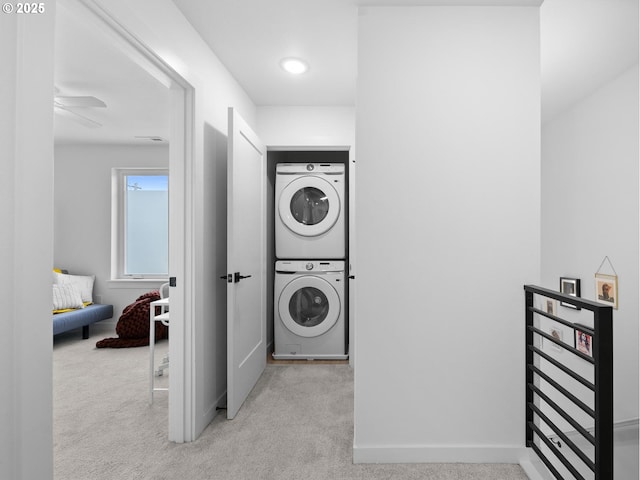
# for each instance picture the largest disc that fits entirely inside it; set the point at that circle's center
(584, 342)
(556, 333)
(550, 306)
(607, 286)
(570, 286)
(607, 289)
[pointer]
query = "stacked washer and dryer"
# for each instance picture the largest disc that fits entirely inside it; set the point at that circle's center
(310, 282)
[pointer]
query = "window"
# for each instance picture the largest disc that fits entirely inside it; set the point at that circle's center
(140, 223)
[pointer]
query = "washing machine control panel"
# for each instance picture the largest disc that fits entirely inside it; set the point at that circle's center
(309, 266)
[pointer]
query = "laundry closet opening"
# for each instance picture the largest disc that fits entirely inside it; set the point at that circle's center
(308, 255)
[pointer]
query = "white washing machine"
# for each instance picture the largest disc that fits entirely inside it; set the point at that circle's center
(309, 310)
(309, 210)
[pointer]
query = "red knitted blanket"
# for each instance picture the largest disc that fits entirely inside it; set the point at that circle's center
(133, 325)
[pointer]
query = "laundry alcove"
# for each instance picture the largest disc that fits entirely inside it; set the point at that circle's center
(307, 155)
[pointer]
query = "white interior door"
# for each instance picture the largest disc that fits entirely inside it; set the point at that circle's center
(246, 262)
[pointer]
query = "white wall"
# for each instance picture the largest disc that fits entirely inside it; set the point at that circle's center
(306, 126)
(26, 244)
(448, 135)
(590, 209)
(82, 216)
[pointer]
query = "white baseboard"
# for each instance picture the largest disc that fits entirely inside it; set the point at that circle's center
(439, 454)
(208, 416)
(525, 457)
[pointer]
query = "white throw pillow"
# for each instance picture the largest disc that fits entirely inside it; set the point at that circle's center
(66, 296)
(82, 283)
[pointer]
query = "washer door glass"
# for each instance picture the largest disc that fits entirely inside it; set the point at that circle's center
(309, 206)
(309, 306)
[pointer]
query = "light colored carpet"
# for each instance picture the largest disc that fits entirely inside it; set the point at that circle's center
(296, 424)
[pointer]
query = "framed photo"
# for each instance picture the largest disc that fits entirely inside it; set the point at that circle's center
(607, 289)
(556, 333)
(570, 286)
(550, 306)
(584, 342)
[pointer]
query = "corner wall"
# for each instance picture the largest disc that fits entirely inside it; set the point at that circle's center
(590, 209)
(448, 135)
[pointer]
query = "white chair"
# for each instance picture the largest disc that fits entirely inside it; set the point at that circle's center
(164, 293)
(163, 317)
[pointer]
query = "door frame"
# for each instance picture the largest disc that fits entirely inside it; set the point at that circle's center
(181, 211)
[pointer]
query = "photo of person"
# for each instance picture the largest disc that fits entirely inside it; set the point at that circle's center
(584, 343)
(607, 289)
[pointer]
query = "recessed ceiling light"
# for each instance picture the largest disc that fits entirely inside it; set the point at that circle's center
(295, 66)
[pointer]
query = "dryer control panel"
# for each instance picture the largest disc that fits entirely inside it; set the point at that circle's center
(309, 266)
(315, 168)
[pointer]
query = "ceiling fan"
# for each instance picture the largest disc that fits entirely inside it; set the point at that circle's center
(65, 106)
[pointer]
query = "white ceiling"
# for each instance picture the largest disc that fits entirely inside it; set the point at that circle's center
(251, 37)
(87, 62)
(584, 43)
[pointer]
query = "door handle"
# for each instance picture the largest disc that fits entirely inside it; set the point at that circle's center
(237, 277)
(228, 278)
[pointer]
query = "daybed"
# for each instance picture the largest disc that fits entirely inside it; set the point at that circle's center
(82, 317)
(73, 305)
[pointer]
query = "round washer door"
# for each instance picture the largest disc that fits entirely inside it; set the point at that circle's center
(309, 306)
(309, 206)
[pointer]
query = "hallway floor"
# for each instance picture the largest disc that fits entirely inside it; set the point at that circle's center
(296, 424)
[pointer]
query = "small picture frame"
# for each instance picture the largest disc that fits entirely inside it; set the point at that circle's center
(607, 289)
(584, 342)
(550, 306)
(556, 333)
(570, 286)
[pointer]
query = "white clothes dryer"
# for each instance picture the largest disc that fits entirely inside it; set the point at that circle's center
(309, 310)
(309, 210)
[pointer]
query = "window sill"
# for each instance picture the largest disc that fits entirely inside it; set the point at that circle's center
(136, 282)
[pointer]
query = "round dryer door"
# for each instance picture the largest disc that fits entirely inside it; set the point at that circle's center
(309, 306)
(309, 206)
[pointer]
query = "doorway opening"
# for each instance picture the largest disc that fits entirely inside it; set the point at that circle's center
(175, 149)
